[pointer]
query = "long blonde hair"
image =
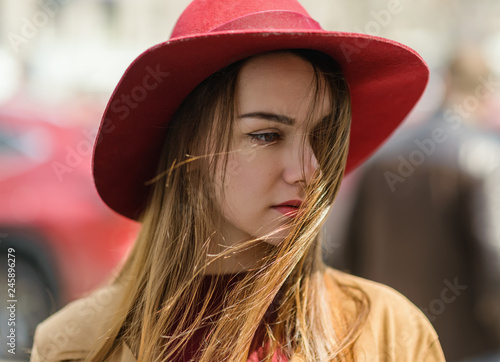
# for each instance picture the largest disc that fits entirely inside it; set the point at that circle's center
(164, 271)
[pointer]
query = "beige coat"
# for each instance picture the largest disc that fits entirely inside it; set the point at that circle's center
(395, 330)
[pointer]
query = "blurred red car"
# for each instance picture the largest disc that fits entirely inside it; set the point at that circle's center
(66, 240)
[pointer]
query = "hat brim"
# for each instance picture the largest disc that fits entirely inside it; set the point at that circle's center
(385, 78)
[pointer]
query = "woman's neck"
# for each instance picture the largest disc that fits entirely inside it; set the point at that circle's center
(236, 262)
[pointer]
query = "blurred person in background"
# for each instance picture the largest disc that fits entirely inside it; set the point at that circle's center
(426, 215)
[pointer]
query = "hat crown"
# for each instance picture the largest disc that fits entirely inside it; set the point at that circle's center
(205, 16)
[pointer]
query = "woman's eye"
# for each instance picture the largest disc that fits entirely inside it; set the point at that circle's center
(270, 137)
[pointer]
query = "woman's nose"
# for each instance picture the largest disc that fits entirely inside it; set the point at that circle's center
(301, 165)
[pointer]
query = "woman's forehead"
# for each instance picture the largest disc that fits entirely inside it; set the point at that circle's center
(281, 83)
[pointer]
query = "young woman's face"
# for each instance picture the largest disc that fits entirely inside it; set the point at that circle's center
(273, 96)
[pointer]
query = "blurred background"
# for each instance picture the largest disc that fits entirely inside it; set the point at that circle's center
(422, 215)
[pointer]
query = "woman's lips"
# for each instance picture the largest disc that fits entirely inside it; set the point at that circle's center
(287, 210)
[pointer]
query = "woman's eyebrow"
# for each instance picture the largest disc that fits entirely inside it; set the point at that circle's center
(278, 117)
(270, 117)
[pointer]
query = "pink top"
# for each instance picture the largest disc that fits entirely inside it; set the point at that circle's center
(194, 344)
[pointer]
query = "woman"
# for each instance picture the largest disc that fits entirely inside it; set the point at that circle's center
(229, 143)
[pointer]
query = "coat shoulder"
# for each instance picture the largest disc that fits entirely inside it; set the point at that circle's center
(71, 333)
(395, 328)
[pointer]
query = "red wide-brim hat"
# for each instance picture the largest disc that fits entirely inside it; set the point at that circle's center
(385, 78)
